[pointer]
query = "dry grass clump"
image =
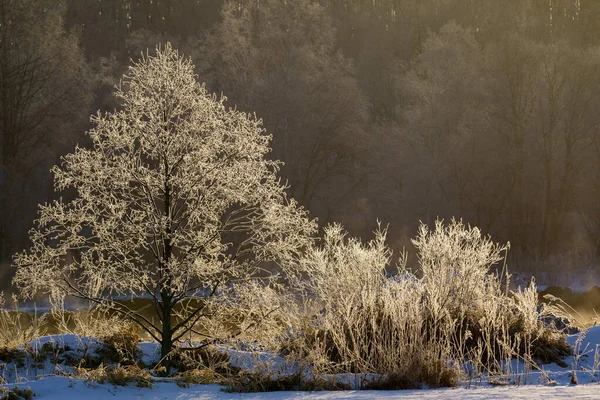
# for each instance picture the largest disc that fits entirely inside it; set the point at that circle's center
(122, 346)
(545, 343)
(117, 375)
(198, 376)
(201, 366)
(208, 357)
(259, 381)
(435, 375)
(13, 355)
(418, 330)
(16, 327)
(16, 393)
(502, 325)
(208, 365)
(392, 381)
(94, 321)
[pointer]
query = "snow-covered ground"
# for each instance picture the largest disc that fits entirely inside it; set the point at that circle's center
(552, 382)
(60, 388)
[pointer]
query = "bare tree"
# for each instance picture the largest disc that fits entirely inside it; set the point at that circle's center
(176, 200)
(567, 121)
(512, 64)
(445, 127)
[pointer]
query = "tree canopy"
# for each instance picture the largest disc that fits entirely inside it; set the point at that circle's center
(175, 200)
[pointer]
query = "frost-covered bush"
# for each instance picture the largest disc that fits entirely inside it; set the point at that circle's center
(455, 261)
(546, 342)
(459, 312)
(367, 322)
(464, 292)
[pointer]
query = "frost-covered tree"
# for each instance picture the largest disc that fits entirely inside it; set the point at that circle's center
(176, 201)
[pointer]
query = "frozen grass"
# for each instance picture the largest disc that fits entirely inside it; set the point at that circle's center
(457, 321)
(133, 382)
(17, 328)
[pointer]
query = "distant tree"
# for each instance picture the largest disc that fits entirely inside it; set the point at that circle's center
(541, 106)
(115, 20)
(43, 95)
(513, 65)
(588, 23)
(445, 89)
(566, 122)
(280, 59)
(104, 24)
(176, 201)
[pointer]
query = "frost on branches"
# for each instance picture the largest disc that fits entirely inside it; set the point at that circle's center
(176, 201)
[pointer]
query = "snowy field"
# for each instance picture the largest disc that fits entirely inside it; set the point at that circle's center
(61, 388)
(552, 382)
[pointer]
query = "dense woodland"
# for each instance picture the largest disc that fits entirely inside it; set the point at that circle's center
(397, 110)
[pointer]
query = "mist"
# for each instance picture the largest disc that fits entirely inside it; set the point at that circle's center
(398, 110)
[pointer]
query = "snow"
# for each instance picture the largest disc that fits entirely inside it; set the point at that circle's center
(591, 338)
(150, 352)
(65, 340)
(63, 388)
(48, 383)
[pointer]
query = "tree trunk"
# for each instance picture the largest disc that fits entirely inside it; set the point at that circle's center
(166, 343)
(166, 294)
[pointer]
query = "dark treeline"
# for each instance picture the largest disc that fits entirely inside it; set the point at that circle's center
(398, 110)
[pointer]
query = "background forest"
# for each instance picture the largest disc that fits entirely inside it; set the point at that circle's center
(397, 110)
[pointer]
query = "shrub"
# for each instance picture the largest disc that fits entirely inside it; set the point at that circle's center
(455, 261)
(461, 286)
(198, 376)
(368, 323)
(122, 347)
(412, 330)
(207, 357)
(257, 381)
(118, 376)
